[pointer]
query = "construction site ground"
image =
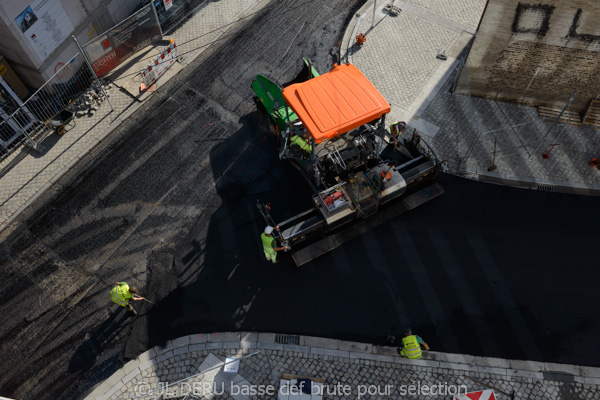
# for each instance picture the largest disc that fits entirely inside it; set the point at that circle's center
(161, 193)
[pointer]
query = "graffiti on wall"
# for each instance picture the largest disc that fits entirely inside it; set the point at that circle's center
(541, 14)
(580, 36)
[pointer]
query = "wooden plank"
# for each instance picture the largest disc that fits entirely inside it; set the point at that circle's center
(570, 117)
(565, 115)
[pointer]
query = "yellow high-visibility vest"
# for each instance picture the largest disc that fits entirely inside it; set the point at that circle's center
(120, 294)
(267, 242)
(300, 142)
(412, 348)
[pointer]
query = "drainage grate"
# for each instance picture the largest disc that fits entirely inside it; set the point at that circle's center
(547, 188)
(287, 339)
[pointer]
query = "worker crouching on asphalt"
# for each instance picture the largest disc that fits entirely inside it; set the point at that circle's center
(269, 244)
(122, 293)
(411, 345)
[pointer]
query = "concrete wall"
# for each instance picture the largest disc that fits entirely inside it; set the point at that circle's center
(89, 19)
(537, 52)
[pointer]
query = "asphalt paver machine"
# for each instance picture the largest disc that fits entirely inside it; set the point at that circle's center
(332, 128)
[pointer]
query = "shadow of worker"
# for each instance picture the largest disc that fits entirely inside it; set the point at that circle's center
(94, 342)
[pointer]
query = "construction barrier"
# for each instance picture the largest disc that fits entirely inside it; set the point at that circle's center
(122, 41)
(153, 71)
(487, 394)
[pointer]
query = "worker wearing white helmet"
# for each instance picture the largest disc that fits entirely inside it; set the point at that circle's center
(270, 244)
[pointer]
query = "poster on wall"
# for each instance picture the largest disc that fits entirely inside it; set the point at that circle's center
(45, 24)
(122, 41)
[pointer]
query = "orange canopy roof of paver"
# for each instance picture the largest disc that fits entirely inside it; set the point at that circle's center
(335, 102)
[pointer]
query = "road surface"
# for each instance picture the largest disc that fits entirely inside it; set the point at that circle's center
(170, 208)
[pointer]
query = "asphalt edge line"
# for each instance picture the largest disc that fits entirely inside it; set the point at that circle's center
(333, 349)
(528, 183)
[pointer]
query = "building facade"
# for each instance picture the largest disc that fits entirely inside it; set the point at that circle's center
(36, 35)
(537, 53)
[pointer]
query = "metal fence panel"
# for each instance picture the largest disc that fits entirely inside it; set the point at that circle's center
(32, 120)
(120, 42)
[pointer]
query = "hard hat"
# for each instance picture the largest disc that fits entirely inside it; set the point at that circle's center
(269, 230)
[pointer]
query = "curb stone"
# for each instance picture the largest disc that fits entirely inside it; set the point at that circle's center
(341, 351)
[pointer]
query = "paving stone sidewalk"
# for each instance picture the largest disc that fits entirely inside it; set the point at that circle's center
(193, 366)
(399, 57)
(25, 175)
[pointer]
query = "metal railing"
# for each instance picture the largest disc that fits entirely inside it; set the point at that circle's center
(116, 45)
(30, 122)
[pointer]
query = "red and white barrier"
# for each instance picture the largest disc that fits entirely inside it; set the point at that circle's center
(480, 395)
(153, 71)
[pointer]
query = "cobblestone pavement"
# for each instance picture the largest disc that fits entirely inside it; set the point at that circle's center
(467, 12)
(399, 56)
(518, 149)
(25, 175)
(193, 366)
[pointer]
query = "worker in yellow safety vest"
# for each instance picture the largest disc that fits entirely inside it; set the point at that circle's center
(270, 244)
(122, 293)
(396, 129)
(302, 141)
(411, 345)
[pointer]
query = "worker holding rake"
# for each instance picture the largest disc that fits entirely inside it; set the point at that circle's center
(122, 293)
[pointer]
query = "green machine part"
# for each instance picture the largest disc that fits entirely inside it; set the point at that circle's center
(312, 71)
(271, 98)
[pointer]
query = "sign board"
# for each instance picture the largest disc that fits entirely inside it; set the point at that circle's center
(480, 395)
(168, 4)
(122, 41)
(232, 365)
(45, 24)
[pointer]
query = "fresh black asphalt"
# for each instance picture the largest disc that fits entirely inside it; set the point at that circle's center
(170, 207)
